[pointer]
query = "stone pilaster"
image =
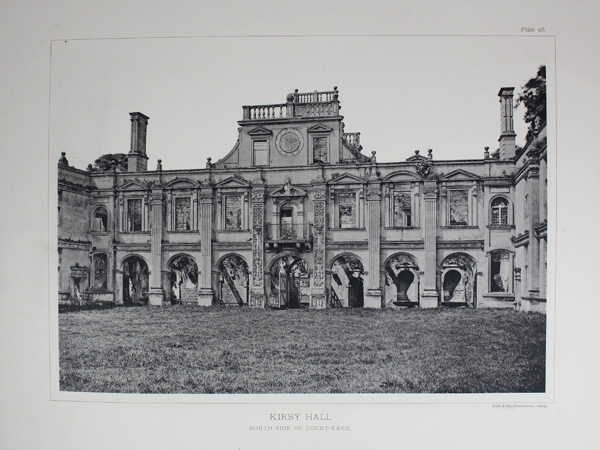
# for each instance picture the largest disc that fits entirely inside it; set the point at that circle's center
(533, 178)
(430, 296)
(373, 296)
(156, 293)
(318, 297)
(205, 291)
(257, 291)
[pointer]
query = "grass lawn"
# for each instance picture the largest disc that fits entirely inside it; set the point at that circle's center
(243, 350)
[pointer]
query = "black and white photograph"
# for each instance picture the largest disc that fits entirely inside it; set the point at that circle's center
(257, 225)
(381, 229)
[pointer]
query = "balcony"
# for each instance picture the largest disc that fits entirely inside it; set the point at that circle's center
(278, 236)
(298, 105)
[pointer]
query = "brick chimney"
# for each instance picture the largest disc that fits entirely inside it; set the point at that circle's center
(507, 129)
(137, 161)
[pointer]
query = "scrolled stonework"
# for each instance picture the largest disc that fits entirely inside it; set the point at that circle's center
(319, 243)
(256, 300)
(373, 196)
(319, 217)
(318, 195)
(424, 169)
(258, 197)
(318, 301)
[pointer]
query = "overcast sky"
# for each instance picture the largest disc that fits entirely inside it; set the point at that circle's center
(402, 93)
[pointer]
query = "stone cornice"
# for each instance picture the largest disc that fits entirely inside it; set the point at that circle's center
(521, 239)
(461, 244)
(402, 244)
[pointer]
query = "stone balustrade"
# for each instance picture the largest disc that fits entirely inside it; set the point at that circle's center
(352, 139)
(315, 97)
(265, 112)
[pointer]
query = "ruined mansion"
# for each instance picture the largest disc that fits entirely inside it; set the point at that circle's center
(297, 215)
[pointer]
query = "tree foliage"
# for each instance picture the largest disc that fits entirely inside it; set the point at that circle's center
(107, 162)
(533, 98)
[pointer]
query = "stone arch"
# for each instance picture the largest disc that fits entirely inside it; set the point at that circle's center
(347, 283)
(402, 280)
(183, 279)
(289, 285)
(458, 280)
(135, 280)
(234, 280)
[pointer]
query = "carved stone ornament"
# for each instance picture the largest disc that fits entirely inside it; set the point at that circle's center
(318, 195)
(289, 142)
(424, 169)
(258, 196)
(373, 196)
(318, 301)
(319, 215)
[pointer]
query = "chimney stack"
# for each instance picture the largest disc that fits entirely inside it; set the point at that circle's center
(137, 161)
(507, 129)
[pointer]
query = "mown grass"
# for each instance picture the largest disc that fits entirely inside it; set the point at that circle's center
(242, 350)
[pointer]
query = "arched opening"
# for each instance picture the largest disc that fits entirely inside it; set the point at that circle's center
(101, 219)
(290, 283)
(458, 280)
(183, 280)
(451, 280)
(402, 281)
(347, 287)
(135, 281)
(233, 281)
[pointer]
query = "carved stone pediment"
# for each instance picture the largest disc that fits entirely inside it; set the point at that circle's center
(260, 131)
(288, 190)
(181, 183)
(460, 175)
(233, 182)
(319, 129)
(347, 178)
(133, 185)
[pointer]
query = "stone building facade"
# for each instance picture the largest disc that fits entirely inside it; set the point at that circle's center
(295, 215)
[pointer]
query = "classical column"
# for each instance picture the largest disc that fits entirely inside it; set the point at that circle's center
(373, 297)
(429, 299)
(318, 297)
(205, 291)
(257, 291)
(156, 294)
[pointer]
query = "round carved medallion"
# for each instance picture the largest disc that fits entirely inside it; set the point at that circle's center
(289, 141)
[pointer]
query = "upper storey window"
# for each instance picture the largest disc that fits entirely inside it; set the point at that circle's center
(320, 150)
(402, 209)
(183, 214)
(134, 214)
(233, 212)
(347, 210)
(459, 207)
(261, 153)
(500, 211)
